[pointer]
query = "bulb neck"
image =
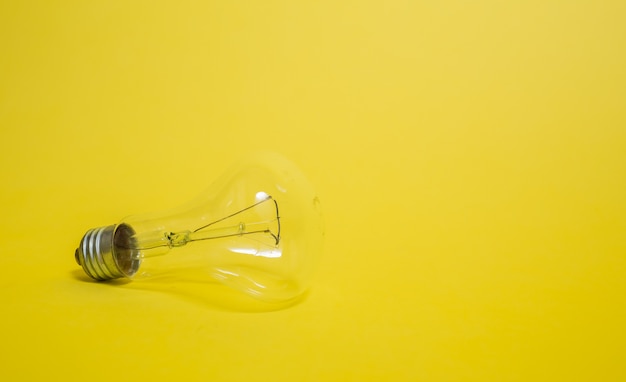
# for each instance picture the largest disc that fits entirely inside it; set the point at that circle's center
(102, 257)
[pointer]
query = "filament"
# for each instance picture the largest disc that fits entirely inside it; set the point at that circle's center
(242, 210)
(178, 239)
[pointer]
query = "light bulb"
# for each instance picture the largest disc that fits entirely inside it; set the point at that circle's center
(257, 229)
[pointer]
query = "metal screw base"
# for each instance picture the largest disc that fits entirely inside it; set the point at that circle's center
(101, 255)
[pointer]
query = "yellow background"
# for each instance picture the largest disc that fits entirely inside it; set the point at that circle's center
(470, 157)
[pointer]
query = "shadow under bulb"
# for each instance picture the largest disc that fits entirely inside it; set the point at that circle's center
(257, 229)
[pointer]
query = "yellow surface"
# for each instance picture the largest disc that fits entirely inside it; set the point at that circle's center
(470, 157)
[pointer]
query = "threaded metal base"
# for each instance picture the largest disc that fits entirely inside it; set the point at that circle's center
(105, 253)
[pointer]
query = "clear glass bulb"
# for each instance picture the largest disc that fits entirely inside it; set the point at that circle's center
(257, 229)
